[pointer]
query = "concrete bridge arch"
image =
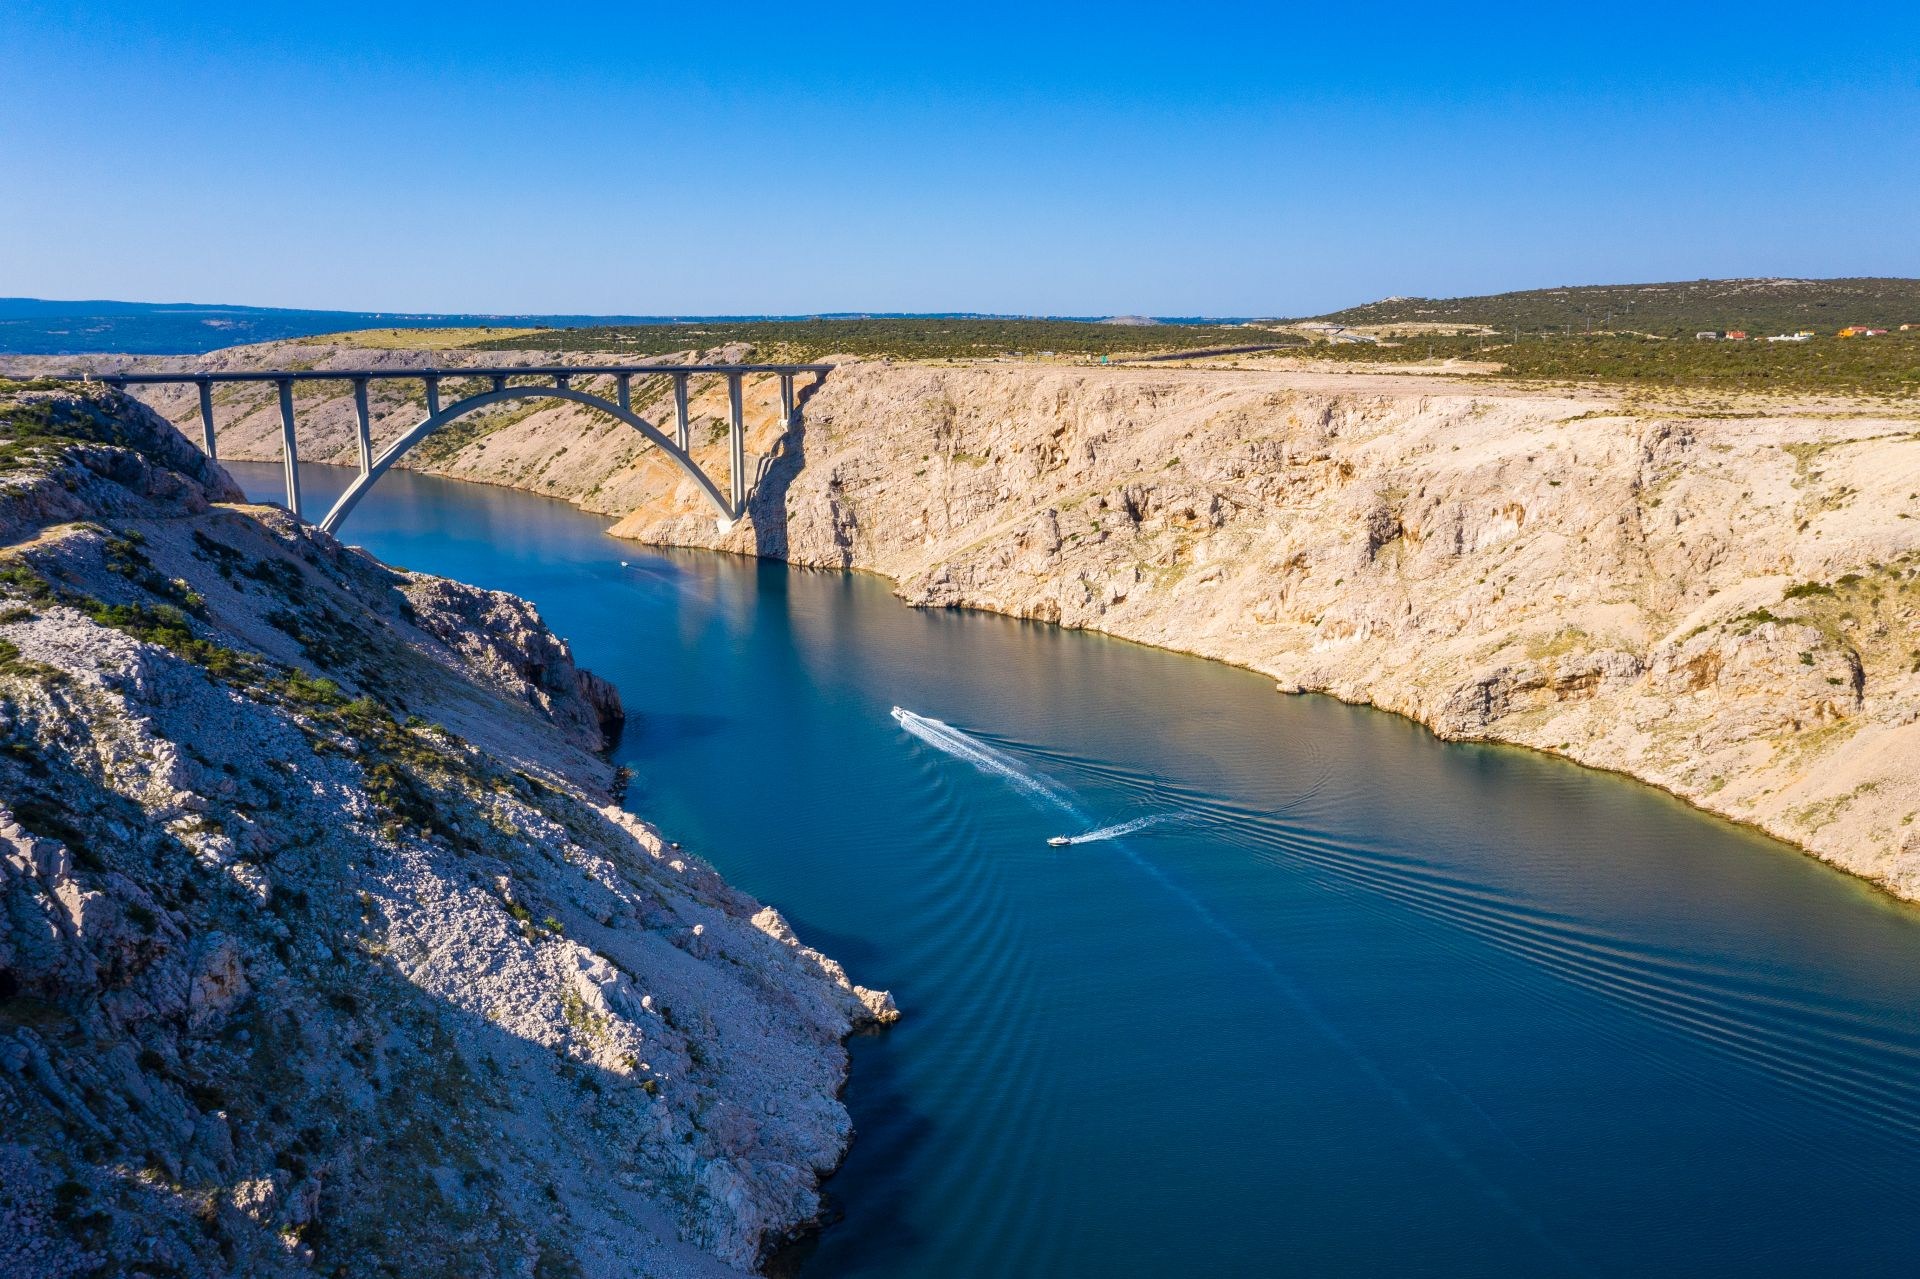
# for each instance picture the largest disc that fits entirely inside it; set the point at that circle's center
(398, 448)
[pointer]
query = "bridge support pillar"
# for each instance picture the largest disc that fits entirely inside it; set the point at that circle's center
(499, 382)
(289, 448)
(680, 426)
(433, 394)
(737, 439)
(206, 418)
(363, 428)
(786, 401)
(625, 384)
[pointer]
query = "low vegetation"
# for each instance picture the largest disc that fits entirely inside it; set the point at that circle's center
(1632, 335)
(1879, 366)
(911, 338)
(1867, 612)
(34, 433)
(395, 757)
(1678, 309)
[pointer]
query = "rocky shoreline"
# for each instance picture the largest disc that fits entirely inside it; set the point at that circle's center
(325, 944)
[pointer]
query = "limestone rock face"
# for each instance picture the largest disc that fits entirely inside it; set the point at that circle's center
(501, 639)
(322, 943)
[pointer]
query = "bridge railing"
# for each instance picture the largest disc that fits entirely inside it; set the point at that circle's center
(507, 382)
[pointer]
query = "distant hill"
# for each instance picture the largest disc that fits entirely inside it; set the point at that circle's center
(1678, 308)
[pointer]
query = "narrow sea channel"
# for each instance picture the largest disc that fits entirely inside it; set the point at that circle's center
(1354, 1001)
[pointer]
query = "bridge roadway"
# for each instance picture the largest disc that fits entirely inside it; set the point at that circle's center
(504, 384)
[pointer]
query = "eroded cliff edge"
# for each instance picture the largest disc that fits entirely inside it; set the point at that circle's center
(1723, 600)
(323, 943)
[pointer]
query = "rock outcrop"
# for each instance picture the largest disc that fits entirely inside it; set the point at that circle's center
(323, 945)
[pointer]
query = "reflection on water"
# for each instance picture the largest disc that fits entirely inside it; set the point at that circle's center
(1372, 1004)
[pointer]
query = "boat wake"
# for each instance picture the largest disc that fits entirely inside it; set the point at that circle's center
(1115, 831)
(945, 737)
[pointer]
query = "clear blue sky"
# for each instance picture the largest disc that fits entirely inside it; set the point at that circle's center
(1167, 159)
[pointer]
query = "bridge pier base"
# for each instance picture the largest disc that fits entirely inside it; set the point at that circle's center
(289, 447)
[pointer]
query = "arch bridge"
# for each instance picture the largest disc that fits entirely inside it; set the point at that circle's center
(503, 384)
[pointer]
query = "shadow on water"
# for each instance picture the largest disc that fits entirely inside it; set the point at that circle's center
(892, 1128)
(853, 952)
(890, 1125)
(654, 731)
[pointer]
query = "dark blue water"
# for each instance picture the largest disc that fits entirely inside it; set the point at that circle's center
(1368, 1004)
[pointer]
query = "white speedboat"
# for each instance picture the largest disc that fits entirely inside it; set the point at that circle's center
(1060, 841)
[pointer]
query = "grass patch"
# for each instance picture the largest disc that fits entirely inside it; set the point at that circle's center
(166, 626)
(1663, 357)
(14, 666)
(124, 555)
(1677, 309)
(450, 439)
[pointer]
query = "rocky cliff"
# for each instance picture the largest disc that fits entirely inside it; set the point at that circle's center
(323, 944)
